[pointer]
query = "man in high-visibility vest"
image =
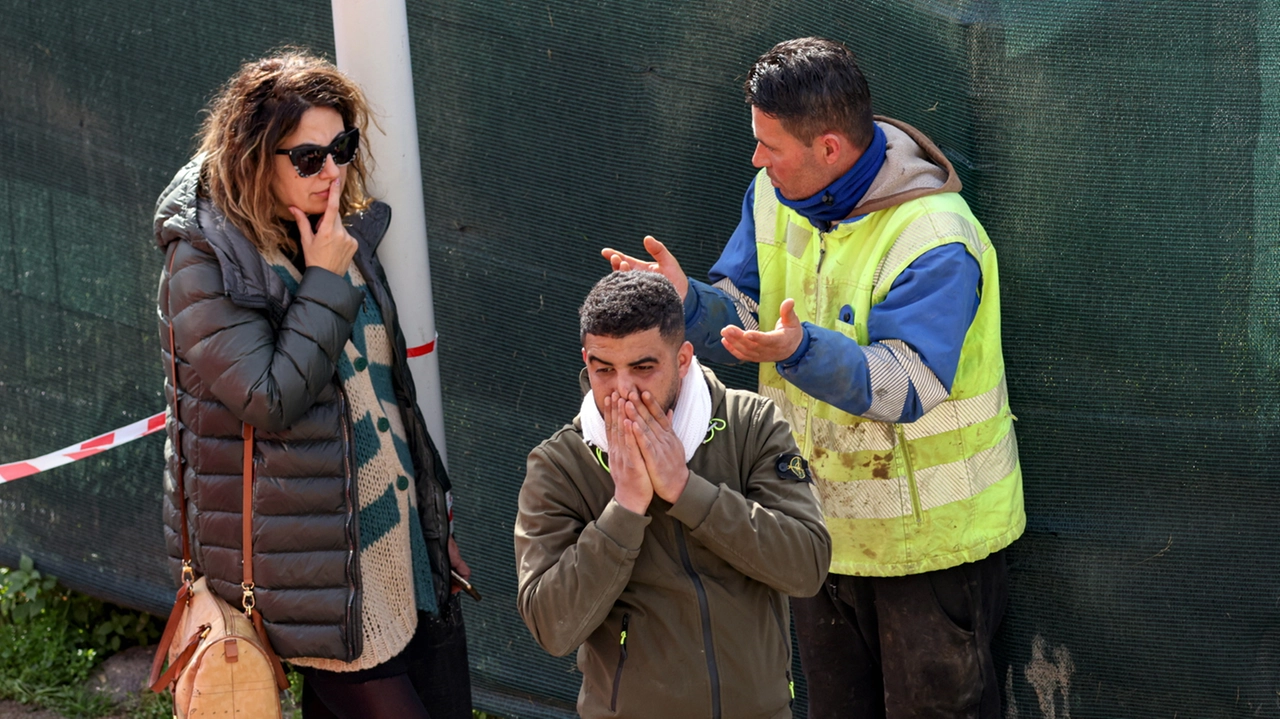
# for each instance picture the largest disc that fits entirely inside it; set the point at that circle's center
(882, 292)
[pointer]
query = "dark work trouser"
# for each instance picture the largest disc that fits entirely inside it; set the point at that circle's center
(916, 647)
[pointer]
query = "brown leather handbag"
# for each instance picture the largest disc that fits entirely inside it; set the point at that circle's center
(220, 660)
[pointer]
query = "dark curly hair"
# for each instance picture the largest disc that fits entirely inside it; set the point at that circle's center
(623, 303)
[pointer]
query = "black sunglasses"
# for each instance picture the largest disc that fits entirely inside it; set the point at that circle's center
(309, 159)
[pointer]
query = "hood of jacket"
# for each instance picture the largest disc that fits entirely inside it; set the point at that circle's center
(183, 214)
(913, 167)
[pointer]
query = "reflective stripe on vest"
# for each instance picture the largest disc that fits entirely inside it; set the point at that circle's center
(935, 486)
(920, 234)
(952, 414)
(869, 473)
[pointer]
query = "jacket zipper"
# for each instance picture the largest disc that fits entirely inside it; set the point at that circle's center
(817, 282)
(414, 424)
(622, 659)
(786, 641)
(705, 612)
(911, 474)
(355, 638)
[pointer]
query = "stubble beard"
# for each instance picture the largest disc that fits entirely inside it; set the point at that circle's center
(673, 394)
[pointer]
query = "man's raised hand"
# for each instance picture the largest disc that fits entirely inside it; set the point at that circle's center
(631, 485)
(664, 263)
(774, 346)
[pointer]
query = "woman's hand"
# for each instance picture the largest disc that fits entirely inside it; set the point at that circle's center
(459, 566)
(329, 247)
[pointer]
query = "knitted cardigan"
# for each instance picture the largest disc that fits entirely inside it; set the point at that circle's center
(395, 569)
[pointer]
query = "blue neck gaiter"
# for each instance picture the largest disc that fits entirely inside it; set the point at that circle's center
(837, 201)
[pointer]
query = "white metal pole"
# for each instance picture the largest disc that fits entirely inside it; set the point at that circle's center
(372, 42)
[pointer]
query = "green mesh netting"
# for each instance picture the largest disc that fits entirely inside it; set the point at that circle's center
(1123, 157)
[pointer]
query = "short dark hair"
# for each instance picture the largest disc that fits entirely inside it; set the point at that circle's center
(812, 85)
(623, 303)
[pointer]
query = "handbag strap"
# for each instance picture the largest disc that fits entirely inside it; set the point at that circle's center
(180, 662)
(246, 542)
(158, 681)
(246, 516)
(180, 477)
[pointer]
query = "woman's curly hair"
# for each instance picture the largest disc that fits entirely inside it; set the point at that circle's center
(249, 118)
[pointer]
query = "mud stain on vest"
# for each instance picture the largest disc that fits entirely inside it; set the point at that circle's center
(880, 464)
(846, 459)
(817, 456)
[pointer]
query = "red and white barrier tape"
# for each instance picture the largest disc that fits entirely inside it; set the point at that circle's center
(422, 350)
(124, 435)
(88, 448)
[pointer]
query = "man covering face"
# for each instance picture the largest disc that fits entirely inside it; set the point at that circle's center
(661, 531)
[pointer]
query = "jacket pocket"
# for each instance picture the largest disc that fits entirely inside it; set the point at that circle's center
(622, 660)
(846, 327)
(784, 635)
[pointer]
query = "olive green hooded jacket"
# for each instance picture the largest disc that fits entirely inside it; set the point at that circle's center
(681, 612)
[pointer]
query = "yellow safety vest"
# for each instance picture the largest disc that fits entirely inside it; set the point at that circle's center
(899, 498)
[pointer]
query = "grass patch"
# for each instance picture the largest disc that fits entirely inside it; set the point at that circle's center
(51, 639)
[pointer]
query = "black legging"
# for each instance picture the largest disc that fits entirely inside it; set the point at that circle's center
(388, 698)
(431, 672)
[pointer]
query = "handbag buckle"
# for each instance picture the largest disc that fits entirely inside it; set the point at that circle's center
(188, 574)
(248, 599)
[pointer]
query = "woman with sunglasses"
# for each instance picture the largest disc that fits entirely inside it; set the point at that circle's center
(282, 320)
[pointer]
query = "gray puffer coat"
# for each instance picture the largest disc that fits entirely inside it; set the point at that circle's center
(250, 351)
